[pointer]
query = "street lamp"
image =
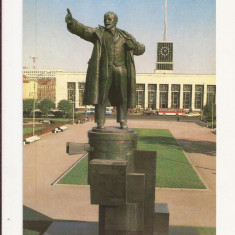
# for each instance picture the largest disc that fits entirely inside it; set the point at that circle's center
(212, 112)
(34, 106)
(73, 106)
(34, 100)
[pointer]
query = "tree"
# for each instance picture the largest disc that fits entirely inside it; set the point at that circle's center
(28, 106)
(66, 106)
(207, 111)
(46, 105)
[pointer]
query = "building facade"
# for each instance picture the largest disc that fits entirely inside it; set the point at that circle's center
(46, 89)
(45, 82)
(161, 89)
(153, 91)
(29, 88)
(41, 73)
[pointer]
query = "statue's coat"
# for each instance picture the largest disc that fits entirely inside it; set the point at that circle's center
(94, 35)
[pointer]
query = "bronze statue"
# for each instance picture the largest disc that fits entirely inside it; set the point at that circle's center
(111, 70)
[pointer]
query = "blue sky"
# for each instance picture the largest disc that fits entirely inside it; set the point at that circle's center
(191, 26)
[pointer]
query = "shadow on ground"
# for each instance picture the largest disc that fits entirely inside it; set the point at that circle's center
(190, 146)
(91, 228)
(162, 140)
(35, 222)
(193, 146)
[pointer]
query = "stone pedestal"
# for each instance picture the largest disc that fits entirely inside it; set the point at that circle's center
(122, 182)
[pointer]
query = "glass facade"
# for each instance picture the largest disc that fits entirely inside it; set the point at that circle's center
(81, 88)
(152, 90)
(163, 95)
(187, 96)
(71, 88)
(199, 92)
(175, 96)
(140, 95)
(211, 94)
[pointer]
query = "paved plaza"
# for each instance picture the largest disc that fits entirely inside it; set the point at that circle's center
(46, 160)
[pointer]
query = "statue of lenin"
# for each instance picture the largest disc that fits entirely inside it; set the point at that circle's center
(111, 70)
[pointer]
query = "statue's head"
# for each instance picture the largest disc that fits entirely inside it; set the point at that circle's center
(110, 20)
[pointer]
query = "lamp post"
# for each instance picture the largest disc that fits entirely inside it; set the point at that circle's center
(34, 100)
(34, 106)
(202, 106)
(73, 107)
(212, 112)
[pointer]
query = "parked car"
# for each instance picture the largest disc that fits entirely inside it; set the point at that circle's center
(149, 112)
(109, 110)
(90, 110)
(45, 122)
(171, 111)
(192, 114)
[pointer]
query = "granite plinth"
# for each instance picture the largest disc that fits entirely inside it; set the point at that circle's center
(122, 181)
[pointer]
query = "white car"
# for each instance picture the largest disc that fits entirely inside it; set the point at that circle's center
(192, 115)
(45, 121)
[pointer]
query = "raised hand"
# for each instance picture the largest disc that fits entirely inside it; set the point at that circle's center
(68, 18)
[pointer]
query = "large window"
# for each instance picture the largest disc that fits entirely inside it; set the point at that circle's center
(81, 87)
(71, 88)
(152, 89)
(211, 94)
(199, 90)
(187, 96)
(140, 95)
(163, 95)
(175, 96)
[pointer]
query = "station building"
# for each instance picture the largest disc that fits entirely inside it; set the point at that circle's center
(153, 91)
(161, 89)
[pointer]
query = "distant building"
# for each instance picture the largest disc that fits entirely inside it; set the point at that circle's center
(46, 89)
(162, 89)
(29, 88)
(156, 90)
(40, 73)
(46, 81)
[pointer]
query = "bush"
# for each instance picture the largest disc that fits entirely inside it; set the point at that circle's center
(57, 113)
(207, 111)
(66, 107)
(28, 107)
(46, 105)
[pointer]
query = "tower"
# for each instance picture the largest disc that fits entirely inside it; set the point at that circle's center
(34, 61)
(165, 52)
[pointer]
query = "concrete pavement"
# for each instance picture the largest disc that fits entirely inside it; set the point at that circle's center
(46, 160)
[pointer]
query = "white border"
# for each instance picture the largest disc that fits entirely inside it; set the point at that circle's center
(225, 35)
(12, 112)
(12, 204)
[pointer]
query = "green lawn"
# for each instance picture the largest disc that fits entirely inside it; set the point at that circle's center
(52, 119)
(184, 230)
(207, 231)
(30, 232)
(78, 175)
(193, 230)
(173, 168)
(27, 130)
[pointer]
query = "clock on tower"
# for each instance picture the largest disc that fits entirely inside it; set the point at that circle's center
(165, 56)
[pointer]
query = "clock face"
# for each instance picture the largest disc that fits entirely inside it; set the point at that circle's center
(164, 52)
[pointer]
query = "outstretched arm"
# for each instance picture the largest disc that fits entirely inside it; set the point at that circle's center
(73, 26)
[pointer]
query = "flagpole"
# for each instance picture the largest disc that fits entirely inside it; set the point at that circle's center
(165, 29)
